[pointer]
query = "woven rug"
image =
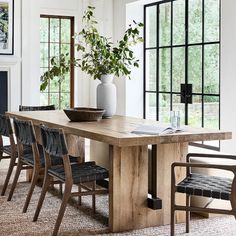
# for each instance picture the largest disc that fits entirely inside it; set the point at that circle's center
(81, 221)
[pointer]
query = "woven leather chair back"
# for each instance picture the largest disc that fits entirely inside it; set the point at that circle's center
(36, 108)
(24, 131)
(53, 141)
(5, 126)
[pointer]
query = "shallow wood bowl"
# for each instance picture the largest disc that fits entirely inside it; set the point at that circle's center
(80, 114)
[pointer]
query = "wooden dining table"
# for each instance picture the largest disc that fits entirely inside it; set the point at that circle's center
(128, 163)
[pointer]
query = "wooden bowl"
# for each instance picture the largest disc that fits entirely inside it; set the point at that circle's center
(84, 114)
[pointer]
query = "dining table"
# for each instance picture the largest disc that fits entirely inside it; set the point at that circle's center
(128, 162)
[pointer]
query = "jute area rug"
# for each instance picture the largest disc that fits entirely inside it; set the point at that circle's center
(81, 221)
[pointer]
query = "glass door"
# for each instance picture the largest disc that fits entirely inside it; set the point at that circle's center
(182, 64)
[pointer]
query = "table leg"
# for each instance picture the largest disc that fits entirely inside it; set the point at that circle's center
(166, 155)
(128, 189)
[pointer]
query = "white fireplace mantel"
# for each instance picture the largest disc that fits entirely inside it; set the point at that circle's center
(9, 60)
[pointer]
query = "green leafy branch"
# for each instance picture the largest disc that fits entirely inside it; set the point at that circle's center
(60, 67)
(98, 54)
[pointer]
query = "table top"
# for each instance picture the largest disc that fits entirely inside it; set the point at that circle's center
(117, 130)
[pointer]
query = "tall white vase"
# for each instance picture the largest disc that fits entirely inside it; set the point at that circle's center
(106, 95)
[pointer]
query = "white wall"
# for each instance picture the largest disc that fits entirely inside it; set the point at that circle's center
(30, 52)
(228, 73)
(129, 92)
(134, 87)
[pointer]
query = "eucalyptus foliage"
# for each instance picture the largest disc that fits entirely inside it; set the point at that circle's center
(100, 56)
(60, 67)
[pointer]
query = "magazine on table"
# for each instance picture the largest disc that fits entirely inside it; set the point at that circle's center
(154, 129)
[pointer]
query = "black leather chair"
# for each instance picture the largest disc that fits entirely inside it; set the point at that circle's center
(8, 151)
(36, 108)
(25, 135)
(54, 145)
(194, 184)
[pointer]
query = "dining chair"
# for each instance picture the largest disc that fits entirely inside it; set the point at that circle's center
(7, 151)
(54, 145)
(197, 184)
(36, 108)
(25, 135)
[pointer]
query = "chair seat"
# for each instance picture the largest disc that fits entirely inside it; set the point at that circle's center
(207, 186)
(7, 149)
(29, 158)
(82, 172)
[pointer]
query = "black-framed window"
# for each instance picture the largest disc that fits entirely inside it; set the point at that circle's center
(56, 37)
(182, 46)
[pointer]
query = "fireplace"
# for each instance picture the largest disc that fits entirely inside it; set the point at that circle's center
(3, 91)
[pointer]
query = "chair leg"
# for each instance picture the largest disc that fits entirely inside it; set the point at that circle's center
(66, 197)
(46, 183)
(79, 197)
(9, 172)
(60, 189)
(17, 174)
(94, 197)
(31, 189)
(172, 213)
(187, 213)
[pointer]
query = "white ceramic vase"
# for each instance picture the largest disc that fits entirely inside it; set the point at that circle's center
(106, 95)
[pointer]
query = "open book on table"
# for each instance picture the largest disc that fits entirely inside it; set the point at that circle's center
(154, 129)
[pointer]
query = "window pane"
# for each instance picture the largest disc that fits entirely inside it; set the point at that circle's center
(151, 106)
(65, 100)
(195, 21)
(164, 70)
(65, 31)
(54, 50)
(151, 26)
(211, 69)
(65, 85)
(177, 106)
(179, 22)
(211, 112)
(212, 20)
(195, 68)
(54, 99)
(44, 29)
(178, 69)
(65, 48)
(195, 112)
(54, 30)
(164, 108)
(54, 85)
(151, 70)
(165, 24)
(59, 30)
(43, 55)
(43, 99)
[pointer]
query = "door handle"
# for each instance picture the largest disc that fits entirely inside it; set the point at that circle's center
(186, 93)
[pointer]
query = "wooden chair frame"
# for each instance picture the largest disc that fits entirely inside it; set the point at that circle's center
(68, 188)
(12, 156)
(188, 208)
(24, 165)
